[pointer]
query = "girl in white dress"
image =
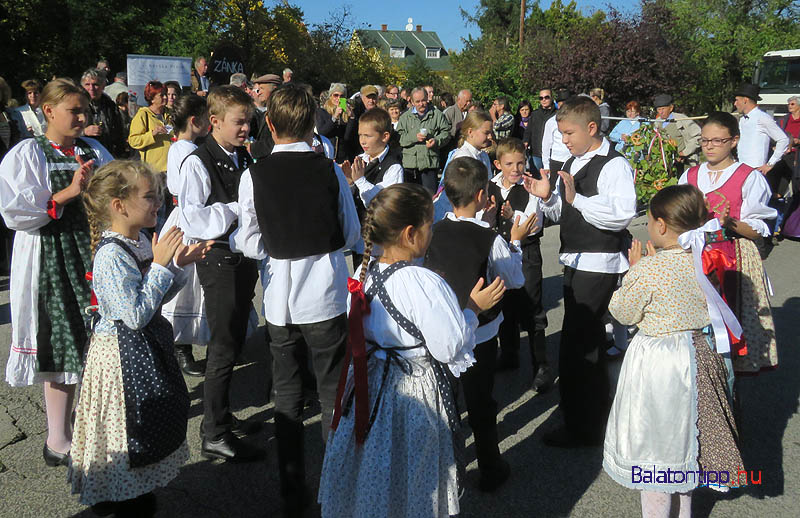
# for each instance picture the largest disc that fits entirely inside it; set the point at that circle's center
(130, 423)
(671, 428)
(186, 312)
(41, 180)
(391, 453)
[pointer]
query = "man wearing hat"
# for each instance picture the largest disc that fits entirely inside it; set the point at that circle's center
(262, 88)
(756, 129)
(683, 130)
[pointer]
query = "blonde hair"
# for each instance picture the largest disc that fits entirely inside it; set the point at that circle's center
(117, 179)
(598, 92)
(223, 98)
(59, 89)
(474, 120)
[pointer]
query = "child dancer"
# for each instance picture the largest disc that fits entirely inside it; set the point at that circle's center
(40, 184)
(186, 311)
(130, 424)
(403, 463)
(476, 135)
(671, 410)
(738, 196)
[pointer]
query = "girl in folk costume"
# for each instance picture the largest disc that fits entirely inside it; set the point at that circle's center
(737, 195)
(40, 184)
(671, 428)
(130, 423)
(475, 136)
(392, 452)
(186, 311)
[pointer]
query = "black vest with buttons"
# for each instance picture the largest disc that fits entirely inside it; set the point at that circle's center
(578, 235)
(374, 173)
(518, 197)
(459, 252)
(223, 174)
(296, 196)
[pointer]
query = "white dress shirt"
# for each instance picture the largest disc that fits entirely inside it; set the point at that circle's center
(553, 146)
(178, 151)
(391, 176)
(757, 128)
(306, 290)
(442, 205)
(755, 194)
(612, 208)
(534, 204)
(428, 302)
(505, 261)
(194, 187)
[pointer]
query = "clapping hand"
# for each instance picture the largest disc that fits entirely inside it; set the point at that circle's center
(347, 169)
(635, 252)
(506, 211)
(524, 229)
(357, 169)
(481, 299)
(569, 186)
(188, 254)
(490, 211)
(164, 248)
(539, 187)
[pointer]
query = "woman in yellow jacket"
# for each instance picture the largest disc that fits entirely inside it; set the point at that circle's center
(151, 134)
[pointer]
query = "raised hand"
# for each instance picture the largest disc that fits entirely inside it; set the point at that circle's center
(539, 187)
(481, 299)
(187, 254)
(507, 212)
(347, 169)
(651, 249)
(490, 211)
(568, 183)
(164, 248)
(357, 169)
(523, 230)
(635, 252)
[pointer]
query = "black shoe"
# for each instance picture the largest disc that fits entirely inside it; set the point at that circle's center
(228, 447)
(143, 506)
(563, 438)
(495, 477)
(507, 361)
(104, 508)
(543, 379)
(239, 428)
(53, 458)
(183, 353)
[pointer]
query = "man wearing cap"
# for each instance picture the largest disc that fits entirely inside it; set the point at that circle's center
(684, 131)
(262, 87)
(756, 129)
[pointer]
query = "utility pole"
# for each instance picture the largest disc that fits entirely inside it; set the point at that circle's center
(521, 21)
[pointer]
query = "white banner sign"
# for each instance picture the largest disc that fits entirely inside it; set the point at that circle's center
(143, 69)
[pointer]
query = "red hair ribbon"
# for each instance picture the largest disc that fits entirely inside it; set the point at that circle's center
(717, 262)
(93, 300)
(357, 350)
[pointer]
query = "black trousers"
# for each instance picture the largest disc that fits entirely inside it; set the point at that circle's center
(523, 307)
(325, 342)
(428, 178)
(478, 384)
(584, 384)
(228, 280)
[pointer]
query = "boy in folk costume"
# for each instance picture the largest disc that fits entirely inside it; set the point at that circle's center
(594, 200)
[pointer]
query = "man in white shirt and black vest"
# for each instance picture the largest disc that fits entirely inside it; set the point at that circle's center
(297, 214)
(209, 197)
(594, 200)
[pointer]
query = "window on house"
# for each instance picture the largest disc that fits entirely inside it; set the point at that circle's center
(433, 53)
(397, 52)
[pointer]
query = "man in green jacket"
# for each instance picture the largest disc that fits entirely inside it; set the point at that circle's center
(423, 131)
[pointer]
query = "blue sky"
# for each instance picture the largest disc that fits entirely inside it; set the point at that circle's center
(442, 16)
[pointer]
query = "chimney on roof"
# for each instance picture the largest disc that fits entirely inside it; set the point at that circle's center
(419, 28)
(384, 27)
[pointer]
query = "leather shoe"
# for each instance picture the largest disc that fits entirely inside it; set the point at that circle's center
(563, 438)
(53, 458)
(183, 353)
(543, 379)
(239, 428)
(495, 477)
(228, 447)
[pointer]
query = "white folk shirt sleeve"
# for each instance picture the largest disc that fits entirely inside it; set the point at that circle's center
(771, 128)
(246, 239)
(367, 191)
(505, 261)
(755, 197)
(348, 217)
(614, 206)
(198, 220)
(547, 141)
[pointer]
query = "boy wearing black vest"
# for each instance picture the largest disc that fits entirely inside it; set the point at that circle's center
(209, 196)
(298, 215)
(463, 250)
(522, 307)
(595, 201)
(377, 167)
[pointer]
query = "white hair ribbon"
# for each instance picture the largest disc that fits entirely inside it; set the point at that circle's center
(721, 315)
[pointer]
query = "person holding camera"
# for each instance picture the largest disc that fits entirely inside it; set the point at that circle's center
(423, 131)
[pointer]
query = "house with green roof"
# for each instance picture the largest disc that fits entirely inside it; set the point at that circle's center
(403, 46)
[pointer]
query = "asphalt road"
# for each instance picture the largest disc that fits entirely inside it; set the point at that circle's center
(545, 482)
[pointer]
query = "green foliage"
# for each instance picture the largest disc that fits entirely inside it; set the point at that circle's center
(653, 160)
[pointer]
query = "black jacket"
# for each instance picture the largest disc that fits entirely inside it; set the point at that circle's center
(535, 130)
(112, 136)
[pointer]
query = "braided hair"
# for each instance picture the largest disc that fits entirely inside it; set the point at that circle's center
(117, 179)
(390, 211)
